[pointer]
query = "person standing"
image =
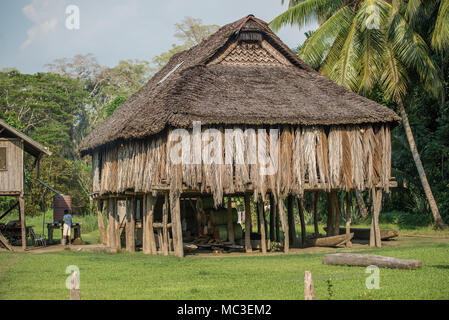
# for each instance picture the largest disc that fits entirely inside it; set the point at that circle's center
(67, 227)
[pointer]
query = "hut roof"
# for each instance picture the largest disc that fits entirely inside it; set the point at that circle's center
(32, 147)
(225, 81)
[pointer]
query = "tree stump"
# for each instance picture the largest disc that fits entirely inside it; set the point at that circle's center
(309, 289)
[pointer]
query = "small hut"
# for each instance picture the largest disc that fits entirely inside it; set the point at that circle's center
(237, 115)
(12, 144)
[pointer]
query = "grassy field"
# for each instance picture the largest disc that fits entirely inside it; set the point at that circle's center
(136, 276)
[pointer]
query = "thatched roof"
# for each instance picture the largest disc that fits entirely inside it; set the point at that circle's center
(222, 81)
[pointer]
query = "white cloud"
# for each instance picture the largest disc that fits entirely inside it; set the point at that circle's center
(45, 14)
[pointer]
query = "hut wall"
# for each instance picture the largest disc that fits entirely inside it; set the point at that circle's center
(295, 159)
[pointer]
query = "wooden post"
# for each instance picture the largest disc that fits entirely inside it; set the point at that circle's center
(22, 221)
(130, 225)
(103, 237)
(348, 219)
(333, 218)
(291, 222)
(248, 246)
(263, 237)
(272, 217)
(148, 241)
(316, 196)
(284, 224)
(175, 207)
(375, 239)
(278, 223)
(231, 235)
(111, 225)
(165, 209)
(309, 289)
(75, 287)
(303, 222)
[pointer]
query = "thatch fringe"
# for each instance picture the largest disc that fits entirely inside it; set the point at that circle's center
(294, 160)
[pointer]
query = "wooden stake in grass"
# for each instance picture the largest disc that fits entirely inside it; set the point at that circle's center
(75, 287)
(309, 289)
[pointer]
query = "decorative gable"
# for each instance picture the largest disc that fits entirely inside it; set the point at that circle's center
(251, 53)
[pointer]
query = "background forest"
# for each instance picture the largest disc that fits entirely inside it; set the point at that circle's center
(60, 107)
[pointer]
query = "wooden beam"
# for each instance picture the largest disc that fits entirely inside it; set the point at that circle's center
(263, 237)
(248, 246)
(348, 219)
(231, 236)
(130, 225)
(117, 224)
(103, 237)
(9, 210)
(111, 225)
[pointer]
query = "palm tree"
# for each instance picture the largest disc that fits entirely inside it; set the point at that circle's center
(361, 44)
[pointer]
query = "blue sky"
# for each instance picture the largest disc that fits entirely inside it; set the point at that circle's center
(33, 32)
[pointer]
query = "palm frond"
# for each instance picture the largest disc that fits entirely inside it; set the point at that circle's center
(302, 13)
(394, 76)
(317, 45)
(440, 36)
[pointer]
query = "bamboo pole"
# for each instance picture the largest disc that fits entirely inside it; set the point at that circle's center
(263, 237)
(248, 246)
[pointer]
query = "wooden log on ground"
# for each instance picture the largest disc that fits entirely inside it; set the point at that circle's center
(248, 247)
(309, 289)
(364, 233)
(333, 241)
(262, 227)
(364, 260)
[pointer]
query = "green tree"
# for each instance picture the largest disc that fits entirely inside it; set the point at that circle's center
(367, 43)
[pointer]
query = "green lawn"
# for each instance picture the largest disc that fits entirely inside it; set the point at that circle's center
(136, 276)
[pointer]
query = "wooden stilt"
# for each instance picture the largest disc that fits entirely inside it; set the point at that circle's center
(303, 222)
(333, 217)
(148, 241)
(22, 222)
(263, 237)
(231, 236)
(375, 239)
(248, 221)
(316, 196)
(291, 222)
(111, 224)
(165, 243)
(103, 236)
(175, 209)
(130, 225)
(348, 219)
(117, 226)
(272, 217)
(278, 223)
(284, 224)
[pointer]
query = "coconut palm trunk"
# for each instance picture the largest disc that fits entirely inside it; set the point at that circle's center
(439, 223)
